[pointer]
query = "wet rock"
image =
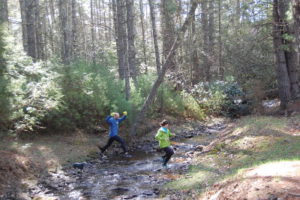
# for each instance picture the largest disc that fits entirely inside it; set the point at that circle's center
(131, 196)
(272, 197)
(148, 193)
(199, 148)
(156, 191)
(189, 136)
(120, 190)
(79, 165)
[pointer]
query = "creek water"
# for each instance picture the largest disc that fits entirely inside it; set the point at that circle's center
(139, 176)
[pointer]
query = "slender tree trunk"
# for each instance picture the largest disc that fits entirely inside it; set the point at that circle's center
(83, 33)
(110, 23)
(196, 69)
(49, 27)
(282, 72)
(105, 22)
(205, 27)
(168, 29)
(54, 27)
(296, 27)
(238, 12)
(93, 32)
(292, 58)
(131, 41)
(165, 67)
(211, 34)
(38, 33)
(4, 11)
(46, 31)
(118, 42)
(220, 43)
(123, 51)
(64, 27)
(74, 29)
(24, 25)
(154, 33)
(31, 29)
(117, 13)
(143, 33)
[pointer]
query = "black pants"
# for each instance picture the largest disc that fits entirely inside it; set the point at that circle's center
(111, 140)
(169, 152)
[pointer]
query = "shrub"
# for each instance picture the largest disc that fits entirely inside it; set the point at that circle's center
(4, 95)
(221, 97)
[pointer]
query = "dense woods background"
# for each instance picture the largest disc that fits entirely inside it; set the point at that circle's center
(66, 64)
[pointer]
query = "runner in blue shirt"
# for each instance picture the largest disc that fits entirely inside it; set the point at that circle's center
(114, 120)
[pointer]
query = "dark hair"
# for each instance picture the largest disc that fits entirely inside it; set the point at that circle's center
(164, 122)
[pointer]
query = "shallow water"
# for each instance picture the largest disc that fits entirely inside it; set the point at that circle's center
(140, 176)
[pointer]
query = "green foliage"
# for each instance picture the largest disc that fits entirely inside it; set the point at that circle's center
(249, 55)
(4, 96)
(220, 97)
(178, 103)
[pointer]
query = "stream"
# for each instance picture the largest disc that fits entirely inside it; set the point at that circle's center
(115, 176)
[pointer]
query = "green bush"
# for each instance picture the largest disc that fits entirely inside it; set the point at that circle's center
(50, 96)
(221, 97)
(4, 95)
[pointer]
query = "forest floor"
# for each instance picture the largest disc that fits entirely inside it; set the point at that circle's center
(255, 157)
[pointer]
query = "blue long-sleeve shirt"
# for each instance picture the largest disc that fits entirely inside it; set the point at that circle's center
(114, 125)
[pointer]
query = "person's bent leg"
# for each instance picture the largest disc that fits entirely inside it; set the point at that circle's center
(109, 142)
(169, 152)
(121, 141)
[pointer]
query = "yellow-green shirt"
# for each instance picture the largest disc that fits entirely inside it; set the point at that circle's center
(163, 136)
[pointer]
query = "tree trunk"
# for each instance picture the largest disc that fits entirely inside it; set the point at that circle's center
(279, 11)
(131, 40)
(65, 32)
(39, 32)
(220, 43)
(165, 67)
(154, 33)
(196, 69)
(24, 25)
(120, 27)
(296, 26)
(205, 27)
(3, 11)
(211, 34)
(238, 12)
(49, 28)
(168, 30)
(74, 44)
(122, 40)
(93, 32)
(30, 10)
(143, 33)
(117, 37)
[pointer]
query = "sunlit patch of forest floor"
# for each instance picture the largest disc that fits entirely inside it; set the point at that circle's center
(23, 161)
(257, 157)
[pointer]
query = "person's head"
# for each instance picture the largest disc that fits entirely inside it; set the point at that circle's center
(164, 123)
(116, 115)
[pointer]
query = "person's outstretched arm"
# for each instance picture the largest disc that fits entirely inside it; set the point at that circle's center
(124, 117)
(172, 134)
